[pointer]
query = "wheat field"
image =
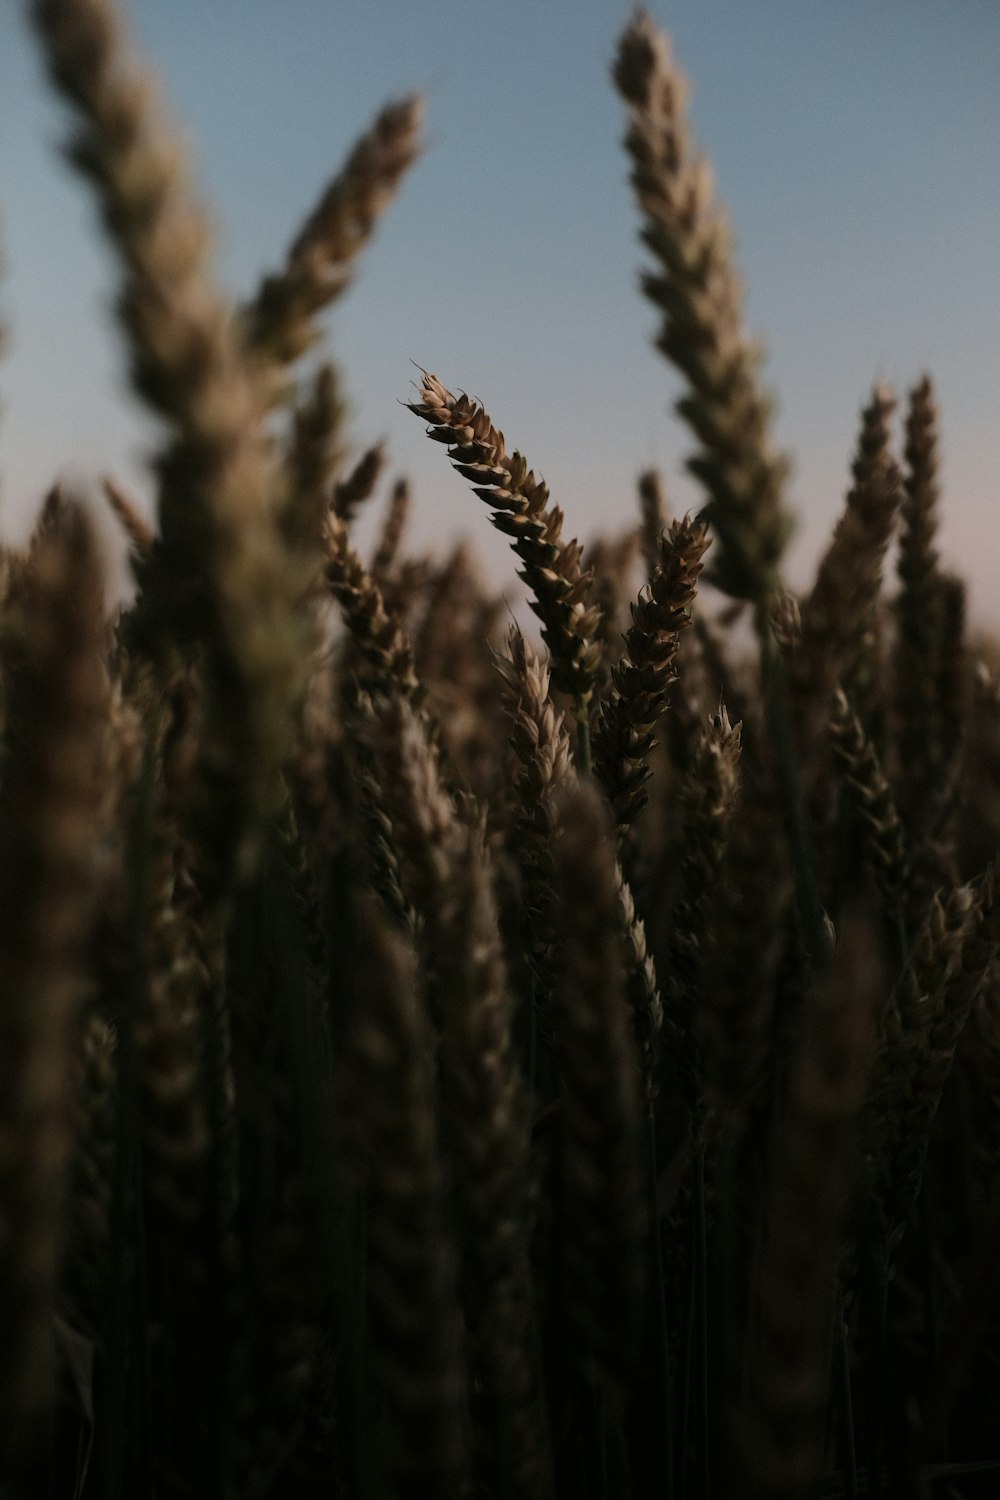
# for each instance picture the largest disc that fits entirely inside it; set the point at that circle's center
(442, 1061)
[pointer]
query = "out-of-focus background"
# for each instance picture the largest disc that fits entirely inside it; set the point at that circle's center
(856, 145)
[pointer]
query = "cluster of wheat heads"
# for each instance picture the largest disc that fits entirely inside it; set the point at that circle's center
(433, 1066)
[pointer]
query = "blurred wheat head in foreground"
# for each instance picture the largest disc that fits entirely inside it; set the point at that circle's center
(435, 1064)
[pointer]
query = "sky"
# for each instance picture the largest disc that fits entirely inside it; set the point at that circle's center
(855, 144)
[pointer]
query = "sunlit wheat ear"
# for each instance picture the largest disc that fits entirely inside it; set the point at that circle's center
(603, 1225)
(281, 321)
(644, 677)
(414, 1333)
(698, 292)
(218, 574)
(779, 1430)
(54, 757)
(836, 610)
(519, 501)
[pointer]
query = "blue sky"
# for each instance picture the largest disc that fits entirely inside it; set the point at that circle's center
(855, 143)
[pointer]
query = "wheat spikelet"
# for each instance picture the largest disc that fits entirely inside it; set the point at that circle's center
(314, 455)
(391, 535)
(647, 671)
(699, 294)
(544, 757)
(218, 573)
(281, 319)
(552, 568)
(925, 1053)
(780, 1426)
(383, 858)
(708, 797)
(915, 1018)
(414, 1331)
(485, 1110)
(747, 939)
(884, 844)
(168, 1030)
(54, 758)
(836, 611)
(603, 1210)
(382, 643)
(88, 1257)
(917, 604)
(610, 562)
(351, 492)
(421, 813)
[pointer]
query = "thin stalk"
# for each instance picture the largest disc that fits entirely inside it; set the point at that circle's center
(850, 1452)
(684, 1450)
(701, 1317)
(660, 1295)
(878, 1374)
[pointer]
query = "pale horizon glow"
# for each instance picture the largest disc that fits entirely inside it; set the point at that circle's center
(854, 145)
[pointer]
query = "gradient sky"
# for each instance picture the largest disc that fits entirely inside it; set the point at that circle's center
(855, 143)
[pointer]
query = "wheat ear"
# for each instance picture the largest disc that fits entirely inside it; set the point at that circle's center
(313, 458)
(381, 641)
(780, 1425)
(836, 610)
(48, 841)
(552, 567)
(281, 319)
(698, 292)
(351, 492)
(391, 534)
(644, 677)
(708, 797)
(883, 841)
(917, 604)
(924, 1052)
(414, 1335)
(218, 573)
(602, 1121)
